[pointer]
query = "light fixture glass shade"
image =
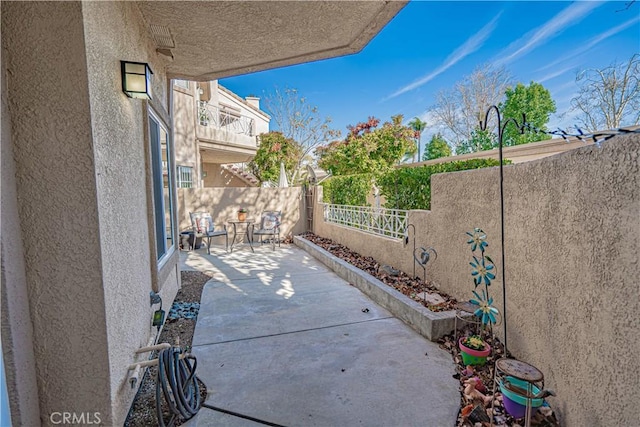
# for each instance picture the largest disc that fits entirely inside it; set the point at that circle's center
(136, 79)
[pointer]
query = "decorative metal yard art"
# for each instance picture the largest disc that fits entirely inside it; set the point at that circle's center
(423, 259)
(482, 273)
(501, 127)
(420, 255)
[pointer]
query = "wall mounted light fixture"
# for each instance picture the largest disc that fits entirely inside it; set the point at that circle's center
(136, 79)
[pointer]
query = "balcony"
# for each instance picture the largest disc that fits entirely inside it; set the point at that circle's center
(225, 135)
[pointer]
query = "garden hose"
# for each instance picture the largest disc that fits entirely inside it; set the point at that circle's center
(178, 383)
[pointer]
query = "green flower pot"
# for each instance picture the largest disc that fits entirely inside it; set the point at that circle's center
(473, 357)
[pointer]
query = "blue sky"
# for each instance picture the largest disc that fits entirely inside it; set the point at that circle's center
(431, 45)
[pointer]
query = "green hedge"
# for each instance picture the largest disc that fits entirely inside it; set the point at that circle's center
(410, 188)
(347, 189)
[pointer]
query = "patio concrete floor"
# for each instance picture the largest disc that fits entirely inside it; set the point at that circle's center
(281, 338)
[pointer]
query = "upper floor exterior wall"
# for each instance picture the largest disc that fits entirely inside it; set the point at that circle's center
(214, 126)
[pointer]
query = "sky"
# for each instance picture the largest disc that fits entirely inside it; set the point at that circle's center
(429, 46)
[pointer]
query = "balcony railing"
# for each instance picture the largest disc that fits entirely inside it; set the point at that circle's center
(384, 222)
(210, 115)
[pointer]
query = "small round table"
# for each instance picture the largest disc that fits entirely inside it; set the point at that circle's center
(244, 231)
(532, 376)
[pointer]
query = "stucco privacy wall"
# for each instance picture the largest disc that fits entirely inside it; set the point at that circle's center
(17, 329)
(223, 204)
(116, 31)
(571, 240)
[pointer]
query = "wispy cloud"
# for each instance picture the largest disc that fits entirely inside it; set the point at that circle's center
(563, 20)
(468, 47)
(554, 74)
(594, 41)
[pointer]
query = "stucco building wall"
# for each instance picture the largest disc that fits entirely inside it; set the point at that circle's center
(572, 234)
(17, 328)
(115, 31)
(186, 147)
(223, 204)
(57, 203)
(82, 185)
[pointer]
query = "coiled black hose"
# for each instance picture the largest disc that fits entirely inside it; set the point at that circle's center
(178, 383)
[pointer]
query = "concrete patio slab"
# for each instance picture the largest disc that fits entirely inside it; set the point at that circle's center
(282, 339)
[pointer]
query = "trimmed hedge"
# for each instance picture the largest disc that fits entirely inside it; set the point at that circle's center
(347, 189)
(410, 188)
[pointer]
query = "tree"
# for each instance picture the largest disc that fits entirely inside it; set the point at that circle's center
(536, 103)
(461, 108)
(610, 97)
(418, 126)
(480, 140)
(436, 148)
(298, 120)
(368, 148)
(274, 148)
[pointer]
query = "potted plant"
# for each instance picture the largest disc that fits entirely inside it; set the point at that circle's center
(242, 214)
(473, 348)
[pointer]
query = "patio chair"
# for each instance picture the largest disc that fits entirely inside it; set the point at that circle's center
(269, 226)
(203, 227)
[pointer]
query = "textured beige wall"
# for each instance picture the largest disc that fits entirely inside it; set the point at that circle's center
(223, 204)
(572, 233)
(184, 129)
(57, 203)
(115, 31)
(17, 328)
(82, 181)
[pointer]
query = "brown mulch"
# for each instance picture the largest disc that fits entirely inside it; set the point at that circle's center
(402, 282)
(143, 410)
(411, 287)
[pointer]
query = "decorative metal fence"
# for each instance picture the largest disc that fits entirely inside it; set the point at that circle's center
(210, 115)
(381, 221)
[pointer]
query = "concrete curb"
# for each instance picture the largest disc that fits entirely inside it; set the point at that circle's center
(429, 324)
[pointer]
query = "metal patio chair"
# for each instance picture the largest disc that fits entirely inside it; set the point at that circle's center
(203, 227)
(269, 226)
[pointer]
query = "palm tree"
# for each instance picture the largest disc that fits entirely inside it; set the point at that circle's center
(418, 125)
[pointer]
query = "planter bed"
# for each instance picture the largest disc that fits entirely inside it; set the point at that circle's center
(430, 324)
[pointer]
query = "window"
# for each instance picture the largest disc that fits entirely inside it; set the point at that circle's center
(185, 177)
(163, 197)
(182, 83)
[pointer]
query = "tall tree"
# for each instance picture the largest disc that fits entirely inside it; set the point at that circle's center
(274, 149)
(368, 148)
(436, 148)
(418, 125)
(536, 103)
(460, 109)
(300, 121)
(610, 97)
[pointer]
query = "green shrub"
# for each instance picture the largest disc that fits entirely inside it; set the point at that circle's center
(410, 188)
(347, 189)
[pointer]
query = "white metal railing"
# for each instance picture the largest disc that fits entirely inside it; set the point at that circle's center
(384, 222)
(210, 115)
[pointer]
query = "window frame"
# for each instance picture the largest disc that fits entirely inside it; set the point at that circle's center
(157, 169)
(180, 169)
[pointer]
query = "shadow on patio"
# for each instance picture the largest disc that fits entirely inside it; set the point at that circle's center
(281, 338)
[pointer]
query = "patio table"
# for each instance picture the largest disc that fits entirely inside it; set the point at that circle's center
(244, 231)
